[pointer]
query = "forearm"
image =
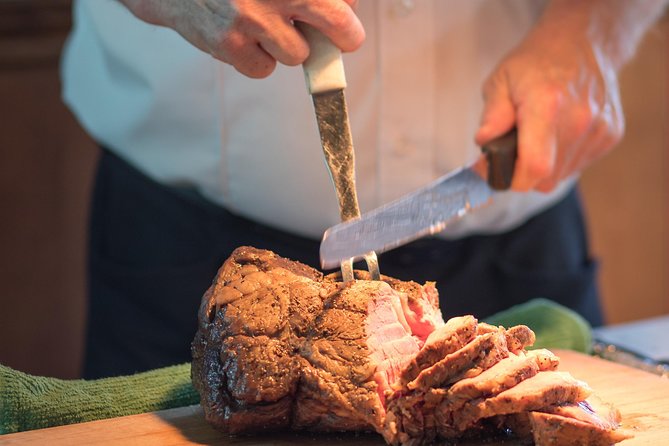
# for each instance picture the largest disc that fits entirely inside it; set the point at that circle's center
(614, 27)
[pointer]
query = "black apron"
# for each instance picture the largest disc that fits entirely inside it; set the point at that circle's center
(154, 250)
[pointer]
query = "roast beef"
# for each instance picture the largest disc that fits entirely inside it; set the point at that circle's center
(281, 346)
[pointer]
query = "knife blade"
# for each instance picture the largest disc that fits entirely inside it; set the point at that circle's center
(425, 211)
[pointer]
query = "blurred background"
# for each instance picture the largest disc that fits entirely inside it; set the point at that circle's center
(46, 171)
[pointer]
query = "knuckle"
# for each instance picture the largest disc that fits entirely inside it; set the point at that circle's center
(552, 96)
(338, 18)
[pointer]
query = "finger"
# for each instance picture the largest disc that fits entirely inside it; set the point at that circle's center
(336, 20)
(246, 55)
(499, 115)
(255, 62)
(274, 31)
(285, 44)
(537, 140)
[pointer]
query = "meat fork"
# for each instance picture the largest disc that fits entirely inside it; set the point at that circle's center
(324, 73)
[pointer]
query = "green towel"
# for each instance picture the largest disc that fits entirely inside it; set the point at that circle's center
(31, 402)
(34, 402)
(555, 326)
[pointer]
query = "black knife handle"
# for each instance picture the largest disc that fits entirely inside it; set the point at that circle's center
(501, 154)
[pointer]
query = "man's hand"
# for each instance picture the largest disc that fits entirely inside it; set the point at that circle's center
(253, 35)
(560, 88)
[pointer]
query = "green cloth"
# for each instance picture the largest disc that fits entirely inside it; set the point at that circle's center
(555, 326)
(33, 402)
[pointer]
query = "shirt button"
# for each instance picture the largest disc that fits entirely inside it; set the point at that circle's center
(402, 8)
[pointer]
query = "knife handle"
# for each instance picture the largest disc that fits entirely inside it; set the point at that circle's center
(324, 68)
(501, 154)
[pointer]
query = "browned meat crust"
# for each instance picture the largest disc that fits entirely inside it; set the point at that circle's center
(280, 346)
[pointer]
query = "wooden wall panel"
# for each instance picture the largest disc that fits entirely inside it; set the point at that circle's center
(46, 164)
(627, 192)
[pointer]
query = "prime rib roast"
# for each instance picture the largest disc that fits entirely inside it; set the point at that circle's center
(281, 346)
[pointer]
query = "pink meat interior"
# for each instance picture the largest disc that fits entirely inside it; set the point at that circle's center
(397, 328)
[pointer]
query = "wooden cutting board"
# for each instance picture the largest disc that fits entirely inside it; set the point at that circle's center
(642, 398)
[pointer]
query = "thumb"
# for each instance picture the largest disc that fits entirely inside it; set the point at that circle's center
(499, 115)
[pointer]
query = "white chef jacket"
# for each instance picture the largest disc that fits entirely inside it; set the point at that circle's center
(252, 146)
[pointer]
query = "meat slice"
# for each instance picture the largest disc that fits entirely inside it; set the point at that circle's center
(281, 346)
(428, 412)
(519, 337)
(557, 430)
(545, 389)
(502, 376)
(591, 422)
(443, 341)
(390, 336)
(545, 359)
(592, 410)
(484, 351)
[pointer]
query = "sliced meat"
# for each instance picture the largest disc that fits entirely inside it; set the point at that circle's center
(484, 328)
(389, 337)
(542, 390)
(410, 416)
(519, 337)
(443, 341)
(593, 410)
(545, 359)
(280, 346)
(480, 353)
(589, 422)
(421, 306)
(502, 376)
(551, 429)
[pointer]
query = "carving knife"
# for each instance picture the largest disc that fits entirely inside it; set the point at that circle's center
(425, 211)
(324, 74)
